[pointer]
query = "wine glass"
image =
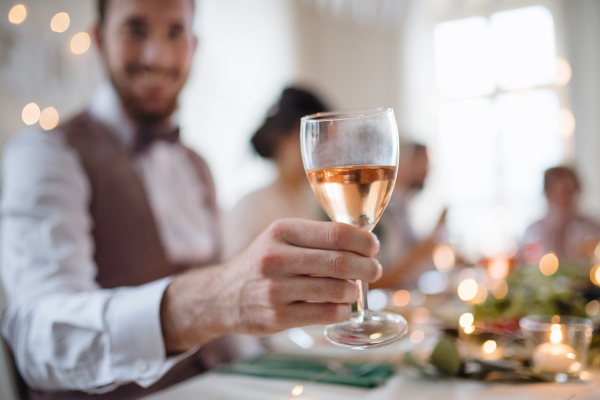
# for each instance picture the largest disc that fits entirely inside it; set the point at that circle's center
(351, 159)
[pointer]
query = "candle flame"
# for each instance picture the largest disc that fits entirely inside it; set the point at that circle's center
(556, 335)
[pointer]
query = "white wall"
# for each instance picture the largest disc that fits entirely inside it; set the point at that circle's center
(36, 64)
(582, 19)
(245, 58)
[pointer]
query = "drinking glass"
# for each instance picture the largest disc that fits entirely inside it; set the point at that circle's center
(351, 159)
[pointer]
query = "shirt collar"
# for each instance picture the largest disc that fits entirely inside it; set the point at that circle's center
(106, 108)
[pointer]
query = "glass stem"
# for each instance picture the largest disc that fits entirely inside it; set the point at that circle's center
(363, 303)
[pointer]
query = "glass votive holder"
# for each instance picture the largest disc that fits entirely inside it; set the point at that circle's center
(558, 345)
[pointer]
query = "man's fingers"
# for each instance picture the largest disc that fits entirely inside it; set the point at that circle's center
(325, 235)
(317, 289)
(303, 314)
(333, 264)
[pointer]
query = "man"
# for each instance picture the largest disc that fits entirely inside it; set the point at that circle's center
(402, 254)
(563, 230)
(106, 220)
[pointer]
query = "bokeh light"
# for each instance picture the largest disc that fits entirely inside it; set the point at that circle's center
(500, 289)
(481, 294)
(595, 275)
(377, 299)
(498, 267)
(17, 14)
(469, 329)
(30, 114)
(489, 346)
(420, 315)
(297, 390)
(443, 257)
(563, 71)
(80, 43)
(549, 264)
(466, 319)
(433, 282)
(60, 22)
(49, 118)
(566, 121)
(592, 307)
(597, 252)
(401, 298)
(467, 290)
(417, 336)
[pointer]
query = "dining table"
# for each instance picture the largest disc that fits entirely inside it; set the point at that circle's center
(404, 384)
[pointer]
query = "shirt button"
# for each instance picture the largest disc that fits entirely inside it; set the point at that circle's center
(142, 365)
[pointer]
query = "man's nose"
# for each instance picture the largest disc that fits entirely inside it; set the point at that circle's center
(157, 53)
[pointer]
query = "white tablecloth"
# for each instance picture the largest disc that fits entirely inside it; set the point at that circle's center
(401, 386)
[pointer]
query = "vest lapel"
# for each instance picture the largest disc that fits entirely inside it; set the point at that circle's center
(128, 250)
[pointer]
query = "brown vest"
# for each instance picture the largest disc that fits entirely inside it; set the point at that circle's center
(128, 249)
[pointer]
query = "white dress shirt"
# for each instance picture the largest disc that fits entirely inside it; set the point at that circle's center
(67, 332)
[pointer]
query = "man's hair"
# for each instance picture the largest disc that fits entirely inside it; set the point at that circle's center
(102, 5)
(553, 174)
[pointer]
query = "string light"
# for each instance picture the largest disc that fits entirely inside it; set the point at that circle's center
(481, 294)
(417, 336)
(498, 267)
(17, 14)
(60, 22)
(549, 264)
(49, 118)
(30, 114)
(420, 315)
(592, 307)
(443, 257)
(466, 319)
(563, 71)
(467, 289)
(595, 275)
(566, 121)
(80, 43)
(489, 346)
(401, 298)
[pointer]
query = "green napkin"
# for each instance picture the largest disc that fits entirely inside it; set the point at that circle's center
(306, 369)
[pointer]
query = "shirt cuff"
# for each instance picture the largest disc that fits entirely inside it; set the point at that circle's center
(137, 345)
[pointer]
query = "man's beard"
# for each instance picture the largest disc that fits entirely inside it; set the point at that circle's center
(135, 111)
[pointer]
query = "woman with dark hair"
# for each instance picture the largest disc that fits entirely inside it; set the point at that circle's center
(290, 196)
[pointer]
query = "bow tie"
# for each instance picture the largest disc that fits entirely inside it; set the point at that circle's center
(145, 136)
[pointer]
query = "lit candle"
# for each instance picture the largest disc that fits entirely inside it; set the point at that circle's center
(555, 356)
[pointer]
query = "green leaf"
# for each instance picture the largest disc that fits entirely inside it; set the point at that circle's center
(445, 357)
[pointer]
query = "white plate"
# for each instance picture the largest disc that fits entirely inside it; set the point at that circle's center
(310, 341)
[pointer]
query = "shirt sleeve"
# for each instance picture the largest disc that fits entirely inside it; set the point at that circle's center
(65, 331)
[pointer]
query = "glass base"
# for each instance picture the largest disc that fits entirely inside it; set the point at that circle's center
(376, 329)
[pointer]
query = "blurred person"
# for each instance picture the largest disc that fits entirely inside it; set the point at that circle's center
(563, 230)
(402, 255)
(290, 196)
(110, 245)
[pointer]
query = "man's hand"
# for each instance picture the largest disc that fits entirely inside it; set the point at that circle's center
(296, 273)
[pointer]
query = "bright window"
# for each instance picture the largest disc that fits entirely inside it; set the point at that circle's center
(499, 124)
